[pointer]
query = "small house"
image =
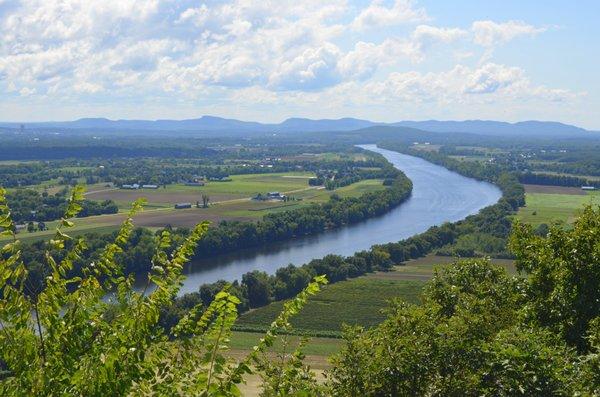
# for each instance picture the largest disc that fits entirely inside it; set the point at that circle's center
(275, 196)
(149, 186)
(588, 188)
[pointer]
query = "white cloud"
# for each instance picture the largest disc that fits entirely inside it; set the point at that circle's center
(282, 52)
(426, 34)
(314, 68)
(26, 91)
(87, 87)
(198, 16)
(490, 33)
(462, 84)
(491, 77)
(379, 15)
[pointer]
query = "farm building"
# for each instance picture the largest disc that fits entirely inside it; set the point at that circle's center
(180, 206)
(588, 188)
(135, 186)
(149, 186)
(195, 183)
(275, 196)
(269, 196)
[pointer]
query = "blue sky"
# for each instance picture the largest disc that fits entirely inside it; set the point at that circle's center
(384, 60)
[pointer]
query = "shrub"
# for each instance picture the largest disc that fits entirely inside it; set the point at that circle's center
(92, 335)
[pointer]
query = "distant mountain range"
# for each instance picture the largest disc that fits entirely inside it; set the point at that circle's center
(216, 124)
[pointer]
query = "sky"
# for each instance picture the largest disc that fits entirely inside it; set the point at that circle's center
(382, 60)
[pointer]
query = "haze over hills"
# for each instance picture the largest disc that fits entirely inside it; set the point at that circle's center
(499, 128)
(211, 124)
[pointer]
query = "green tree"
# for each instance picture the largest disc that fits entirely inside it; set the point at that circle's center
(482, 332)
(529, 361)
(205, 200)
(465, 339)
(258, 288)
(69, 339)
(563, 272)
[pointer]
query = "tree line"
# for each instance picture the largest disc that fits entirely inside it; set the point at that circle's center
(556, 180)
(30, 205)
(162, 171)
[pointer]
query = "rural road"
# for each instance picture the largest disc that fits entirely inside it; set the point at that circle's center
(100, 191)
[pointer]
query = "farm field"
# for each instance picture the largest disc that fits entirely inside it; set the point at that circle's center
(426, 147)
(241, 186)
(240, 209)
(555, 207)
(317, 346)
(357, 301)
(317, 351)
(471, 158)
(423, 268)
(555, 190)
(327, 156)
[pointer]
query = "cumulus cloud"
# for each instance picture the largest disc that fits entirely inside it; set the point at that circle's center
(377, 14)
(313, 68)
(426, 34)
(490, 33)
(463, 84)
(366, 58)
(281, 51)
(491, 77)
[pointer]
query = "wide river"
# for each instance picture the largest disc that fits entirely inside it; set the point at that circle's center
(438, 196)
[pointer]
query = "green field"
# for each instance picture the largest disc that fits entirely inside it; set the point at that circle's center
(423, 268)
(83, 226)
(250, 184)
(240, 186)
(357, 301)
(158, 215)
(471, 158)
(328, 156)
(550, 208)
(316, 346)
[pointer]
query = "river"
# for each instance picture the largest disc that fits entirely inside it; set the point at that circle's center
(438, 196)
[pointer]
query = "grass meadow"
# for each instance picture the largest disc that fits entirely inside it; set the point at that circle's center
(550, 208)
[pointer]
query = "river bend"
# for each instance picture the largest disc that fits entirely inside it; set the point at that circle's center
(438, 196)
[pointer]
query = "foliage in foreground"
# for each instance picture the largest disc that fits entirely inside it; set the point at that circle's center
(478, 331)
(481, 332)
(92, 335)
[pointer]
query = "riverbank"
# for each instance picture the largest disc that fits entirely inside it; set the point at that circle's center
(438, 196)
(259, 287)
